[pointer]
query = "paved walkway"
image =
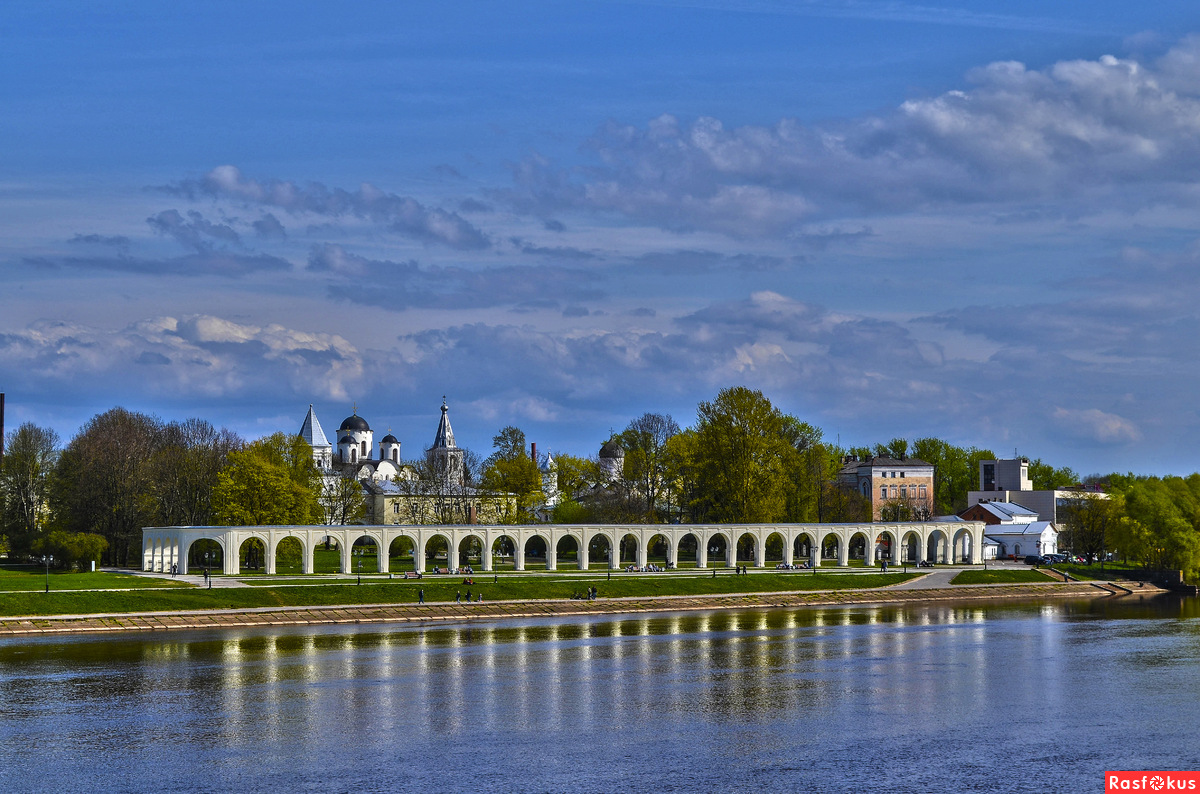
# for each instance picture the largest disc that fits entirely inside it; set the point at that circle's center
(936, 578)
(217, 581)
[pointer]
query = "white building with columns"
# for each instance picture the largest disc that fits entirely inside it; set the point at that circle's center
(818, 544)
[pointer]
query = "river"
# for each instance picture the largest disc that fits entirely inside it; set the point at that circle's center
(1030, 696)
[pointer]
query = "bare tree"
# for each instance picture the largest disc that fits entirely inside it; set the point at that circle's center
(31, 453)
(645, 443)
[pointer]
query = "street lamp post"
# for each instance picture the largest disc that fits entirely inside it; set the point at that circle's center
(47, 558)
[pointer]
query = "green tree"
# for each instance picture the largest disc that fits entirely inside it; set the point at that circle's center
(183, 471)
(1090, 522)
(742, 458)
(71, 549)
(271, 481)
(644, 442)
(342, 501)
(955, 472)
(30, 456)
(509, 444)
(102, 482)
(1047, 478)
(510, 471)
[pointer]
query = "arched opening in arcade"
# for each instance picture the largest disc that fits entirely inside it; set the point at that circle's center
(402, 555)
(961, 549)
(910, 549)
(535, 553)
(658, 550)
(718, 550)
(856, 549)
(289, 556)
(935, 547)
(205, 554)
(364, 555)
(688, 555)
(628, 547)
(830, 548)
(504, 553)
(746, 549)
(327, 556)
(773, 548)
(470, 553)
(437, 553)
(252, 555)
(802, 548)
(884, 544)
(599, 551)
(567, 551)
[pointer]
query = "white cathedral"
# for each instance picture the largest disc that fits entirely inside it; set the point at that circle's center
(354, 457)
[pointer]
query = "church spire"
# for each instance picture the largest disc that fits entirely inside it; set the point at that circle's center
(444, 439)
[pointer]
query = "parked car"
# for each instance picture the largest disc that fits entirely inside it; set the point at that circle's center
(1033, 559)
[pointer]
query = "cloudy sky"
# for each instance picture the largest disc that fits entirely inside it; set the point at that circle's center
(971, 220)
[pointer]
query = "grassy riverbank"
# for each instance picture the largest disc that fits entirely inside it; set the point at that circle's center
(32, 578)
(439, 589)
(1030, 576)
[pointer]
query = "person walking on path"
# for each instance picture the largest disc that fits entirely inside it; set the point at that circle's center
(458, 597)
(420, 596)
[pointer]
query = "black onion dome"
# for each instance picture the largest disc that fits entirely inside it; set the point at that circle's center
(390, 439)
(355, 422)
(612, 449)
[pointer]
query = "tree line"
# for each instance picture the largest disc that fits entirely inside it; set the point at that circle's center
(742, 460)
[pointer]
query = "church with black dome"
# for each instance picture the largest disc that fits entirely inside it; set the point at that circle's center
(355, 456)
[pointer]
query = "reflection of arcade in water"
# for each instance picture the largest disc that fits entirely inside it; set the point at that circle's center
(576, 545)
(556, 674)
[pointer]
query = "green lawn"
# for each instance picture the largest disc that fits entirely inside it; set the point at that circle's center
(33, 578)
(1001, 577)
(442, 588)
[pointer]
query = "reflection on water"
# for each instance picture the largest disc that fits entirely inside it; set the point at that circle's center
(1021, 696)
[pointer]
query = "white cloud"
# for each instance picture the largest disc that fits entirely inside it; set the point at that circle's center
(1082, 131)
(1096, 425)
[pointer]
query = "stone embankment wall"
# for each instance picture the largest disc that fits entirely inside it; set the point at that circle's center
(418, 614)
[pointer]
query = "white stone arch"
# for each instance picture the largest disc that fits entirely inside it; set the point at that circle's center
(352, 535)
(838, 543)
(912, 546)
(306, 548)
(886, 545)
(494, 538)
(242, 539)
(867, 534)
(548, 541)
(462, 537)
(962, 547)
(650, 544)
(784, 547)
(610, 540)
(726, 535)
(393, 535)
(634, 549)
(740, 532)
(803, 544)
(447, 536)
(677, 538)
(937, 546)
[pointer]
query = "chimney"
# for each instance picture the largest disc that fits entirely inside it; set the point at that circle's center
(533, 451)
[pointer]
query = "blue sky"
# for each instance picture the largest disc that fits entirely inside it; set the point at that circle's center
(896, 219)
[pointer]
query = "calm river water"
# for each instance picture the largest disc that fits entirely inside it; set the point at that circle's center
(1011, 697)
